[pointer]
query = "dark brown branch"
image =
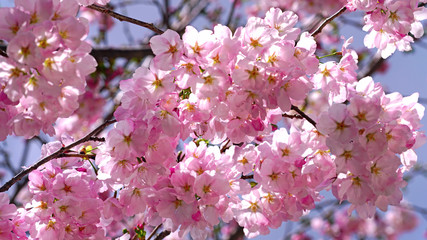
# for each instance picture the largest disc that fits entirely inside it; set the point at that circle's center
(162, 235)
(3, 52)
(126, 53)
(54, 155)
(225, 147)
(296, 109)
(97, 139)
(238, 234)
(247, 177)
(154, 231)
(78, 155)
(292, 116)
(39, 139)
(327, 21)
(125, 18)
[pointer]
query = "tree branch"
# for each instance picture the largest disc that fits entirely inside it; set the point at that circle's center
(247, 177)
(3, 52)
(78, 155)
(376, 62)
(126, 53)
(296, 109)
(238, 234)
(162, 235)
(327, 21)
(230, 16)
(292, 116)
(154, 231)
(6, 161)
(166, 16)
(54, 155)
(225, 147)
(125, 18)
(195, 11)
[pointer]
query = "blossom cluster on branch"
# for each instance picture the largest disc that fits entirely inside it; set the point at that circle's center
(241, 127)
(390, 23)
(46, 65)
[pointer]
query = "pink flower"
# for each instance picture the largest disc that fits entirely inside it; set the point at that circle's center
(23, 49)
(171, 207)
(364, 111)
(39, 10)
(7, 211)
(69, 184)
(283, 22)
(127, 139)
(257, 36)
(157, 82)
(249, 214)
(198, 44)
(14, 20)
(337, 124)
(209, 187)
(168, 48)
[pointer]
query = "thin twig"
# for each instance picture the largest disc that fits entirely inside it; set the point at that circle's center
(327, 21)
(154, 231)
(39, 139)
(166, 16)
(97, 139)
(372, 67)
(292, 116)
(126, 29)
(230, 16)
(78, 155)
(125, 18)
(247, 177)
(54, 155)
(238, 234)
(25, 153)
(162, 235)
(296, 109)
(6, 160)
(3, 53)
(225, 147)
(187, 19)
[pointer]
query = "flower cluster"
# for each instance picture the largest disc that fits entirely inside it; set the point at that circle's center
(364, 136)
(217, 87)
(47, 62)
(231, 82)
(65, 198)
(254, 158)
(12, 223)
(391, 24)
